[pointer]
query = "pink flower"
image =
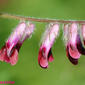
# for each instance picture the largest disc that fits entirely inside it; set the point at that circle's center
(9, 52)
(45, 53)
(71, 42)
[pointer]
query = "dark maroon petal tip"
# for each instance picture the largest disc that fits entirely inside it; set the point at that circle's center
(18, 46)
(50, 56)
(80, 47)
(84, 42)
(72, 60)
(43, 67)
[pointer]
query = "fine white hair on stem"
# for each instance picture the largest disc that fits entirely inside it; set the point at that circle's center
(9, 16)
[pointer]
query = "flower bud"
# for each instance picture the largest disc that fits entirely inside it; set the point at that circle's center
(45, 53)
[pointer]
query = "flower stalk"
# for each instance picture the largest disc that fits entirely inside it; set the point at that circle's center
(5, 15)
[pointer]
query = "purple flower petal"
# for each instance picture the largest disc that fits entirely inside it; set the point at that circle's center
(45, 54)
(80, 47)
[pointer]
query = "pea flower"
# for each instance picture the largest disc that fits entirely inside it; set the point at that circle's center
(45, 53)
(70, 36)
(9, 52)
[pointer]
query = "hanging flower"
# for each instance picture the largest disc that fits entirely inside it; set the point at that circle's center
(71, 46)
(9, 52)
(45, 53)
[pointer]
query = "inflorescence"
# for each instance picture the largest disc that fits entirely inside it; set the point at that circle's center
(73, 33)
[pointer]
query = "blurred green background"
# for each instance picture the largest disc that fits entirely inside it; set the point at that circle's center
(27, 70)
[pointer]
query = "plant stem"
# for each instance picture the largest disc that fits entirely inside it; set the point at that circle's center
(5, 15)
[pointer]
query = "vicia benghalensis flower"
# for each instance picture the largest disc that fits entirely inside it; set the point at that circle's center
(9, 52)
(45, 53)
(70, 36)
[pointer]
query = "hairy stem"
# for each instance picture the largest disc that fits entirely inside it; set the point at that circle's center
(5, 15)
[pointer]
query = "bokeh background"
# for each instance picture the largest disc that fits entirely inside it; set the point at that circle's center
(27, 70)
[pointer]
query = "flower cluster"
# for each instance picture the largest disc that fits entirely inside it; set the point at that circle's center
(74, 39)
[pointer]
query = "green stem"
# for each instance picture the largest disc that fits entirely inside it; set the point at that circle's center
(5, 15)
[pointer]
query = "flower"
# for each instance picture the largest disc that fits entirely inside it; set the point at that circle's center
(9, 52)
(70, 36)
(45, 53)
